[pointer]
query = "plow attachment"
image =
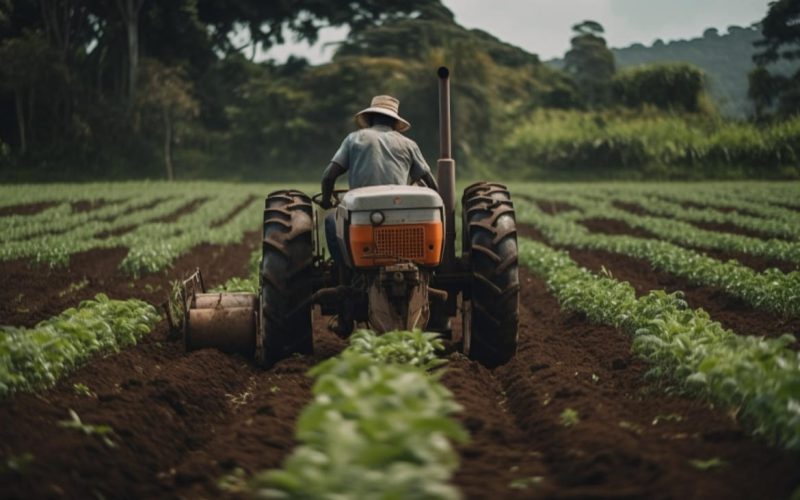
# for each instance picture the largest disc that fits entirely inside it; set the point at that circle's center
(220, 320)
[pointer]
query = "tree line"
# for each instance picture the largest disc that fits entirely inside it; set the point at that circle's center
(141, 88)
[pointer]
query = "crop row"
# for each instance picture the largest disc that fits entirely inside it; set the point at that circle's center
(770, 290)
(719, 199)
(757, 378)
(776, 221)
(781, 228)
(35, 358)
(61, 220)
(379, 426)
(683, 233)
(54, 249)
(155, 246)
(152, 245)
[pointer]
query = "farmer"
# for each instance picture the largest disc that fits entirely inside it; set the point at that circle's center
(377, 154)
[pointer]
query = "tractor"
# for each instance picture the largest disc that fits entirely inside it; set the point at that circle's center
(399, 271)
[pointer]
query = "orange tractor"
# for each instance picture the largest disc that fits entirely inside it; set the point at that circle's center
(400, 268)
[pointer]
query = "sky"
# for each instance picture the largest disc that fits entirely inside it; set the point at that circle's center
(543, 27)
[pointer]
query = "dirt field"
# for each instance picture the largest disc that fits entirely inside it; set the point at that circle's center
(182, 421)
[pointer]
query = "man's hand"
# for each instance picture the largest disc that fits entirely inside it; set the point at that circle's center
(333, 171)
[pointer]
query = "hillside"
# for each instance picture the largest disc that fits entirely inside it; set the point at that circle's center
(726, 58)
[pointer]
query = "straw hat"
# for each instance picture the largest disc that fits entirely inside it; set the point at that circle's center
(385, 105)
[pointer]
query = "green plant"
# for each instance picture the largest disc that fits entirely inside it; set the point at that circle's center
(757, 377)
(104, 432)
(34, 358)
(570, 417)
(379, 426)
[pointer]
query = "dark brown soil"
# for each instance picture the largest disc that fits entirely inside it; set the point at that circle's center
(724, 210)
(726, 227)
(551, 207)
(616, 450)
(611, 226)
(89, 205)
(181, 421)
(731, 312)
(233, 213)
(709, 226)
(26, 209)
(36, 293)
(187, 208)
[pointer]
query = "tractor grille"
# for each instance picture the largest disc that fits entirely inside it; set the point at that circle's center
(402, 242)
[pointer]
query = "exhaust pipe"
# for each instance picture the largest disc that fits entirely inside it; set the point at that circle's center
(446, 171)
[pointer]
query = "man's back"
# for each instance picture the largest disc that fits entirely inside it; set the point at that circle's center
(379, 155)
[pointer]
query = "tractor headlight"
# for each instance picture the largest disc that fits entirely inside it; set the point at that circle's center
(377, 217)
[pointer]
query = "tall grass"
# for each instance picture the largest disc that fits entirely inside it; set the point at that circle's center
(646, 144)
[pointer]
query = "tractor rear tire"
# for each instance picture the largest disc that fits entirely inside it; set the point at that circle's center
(490, 242)
(286, 277)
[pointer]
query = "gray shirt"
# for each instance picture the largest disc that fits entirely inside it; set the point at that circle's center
(378, 156)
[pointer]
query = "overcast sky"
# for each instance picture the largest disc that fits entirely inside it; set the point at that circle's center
(543, 26)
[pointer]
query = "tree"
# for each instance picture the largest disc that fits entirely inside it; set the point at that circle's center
(129, 12)
(668, 86)
(167, 95)
(26, 62)
(590, 63)
(781, 31)
(780, 28)
(763, 90)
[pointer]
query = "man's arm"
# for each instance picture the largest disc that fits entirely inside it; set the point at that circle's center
(428, 181)
(420, 171)
(332, 172)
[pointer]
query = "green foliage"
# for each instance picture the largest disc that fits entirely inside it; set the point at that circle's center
(667, 86)
(724, 58)
(570, 417)
(379, 426)
(646, 144)
(780, 31)
(223, 213)
(104, 432)
(708, 464)
(35, 358)
(758, 377)
(770, 290)
(590, 63)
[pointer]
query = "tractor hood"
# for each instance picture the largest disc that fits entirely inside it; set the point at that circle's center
(391, 197)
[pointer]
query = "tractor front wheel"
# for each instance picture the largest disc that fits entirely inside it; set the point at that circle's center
(490, 242)
(286, 277)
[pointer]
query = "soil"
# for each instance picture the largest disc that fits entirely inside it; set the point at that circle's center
(724, 227)
(631, 441)
(550, 206)
(611, 226)
(233, 213)
(731, 312)
(39, 292)
(26, 208)
(183, 420)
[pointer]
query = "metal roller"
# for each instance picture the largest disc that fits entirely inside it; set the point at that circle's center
(219, 300)
(228, 324)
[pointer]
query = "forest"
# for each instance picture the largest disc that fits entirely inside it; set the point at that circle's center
(142, 89)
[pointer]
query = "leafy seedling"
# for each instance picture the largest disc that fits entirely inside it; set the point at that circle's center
(104, 432)
(16, 463)
(82, 390)
(570, 417)
(708, 464)
(524, 483)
